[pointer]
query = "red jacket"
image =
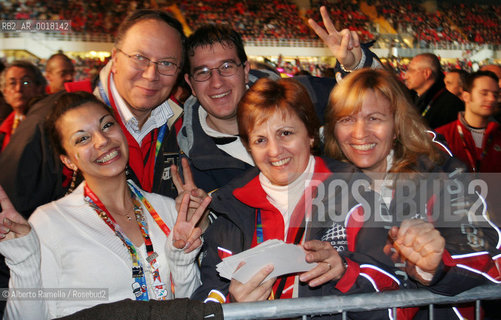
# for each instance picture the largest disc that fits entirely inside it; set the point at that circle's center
(463, 147)
(6, 130)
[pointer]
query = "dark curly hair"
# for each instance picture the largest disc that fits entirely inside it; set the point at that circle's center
(65, 102)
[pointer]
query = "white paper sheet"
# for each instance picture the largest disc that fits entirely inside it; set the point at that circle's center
(286, 258)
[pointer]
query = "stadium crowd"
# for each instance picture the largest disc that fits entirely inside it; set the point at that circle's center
(123, 173)
(281, 19)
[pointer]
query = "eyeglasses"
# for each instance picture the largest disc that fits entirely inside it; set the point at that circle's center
(227, 69)
(12, 83)
(140, 62)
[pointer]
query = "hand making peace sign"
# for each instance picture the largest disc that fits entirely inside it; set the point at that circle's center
(197, 195)
(344, 44)
(186, 235)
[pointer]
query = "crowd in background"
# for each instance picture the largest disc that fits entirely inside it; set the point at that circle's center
(102, 16)
(251, 139)
(282, 19)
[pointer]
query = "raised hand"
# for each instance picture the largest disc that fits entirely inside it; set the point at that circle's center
(254, 289)
(12, 224)
(330, 265)
(186, 235)
(197, 195)
(419, 245)
(344, 44)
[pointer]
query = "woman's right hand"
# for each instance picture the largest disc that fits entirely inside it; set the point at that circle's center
(330, 265)
(254, 289)
(418, 244)
(12, 224)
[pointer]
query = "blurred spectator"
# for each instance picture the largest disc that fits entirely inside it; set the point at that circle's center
(475, 138)
(256, 20)
(265, 67)
(425, 79)
(454, 81)
(59, 69)
(20, 82)
(5, 109)
(495, 69)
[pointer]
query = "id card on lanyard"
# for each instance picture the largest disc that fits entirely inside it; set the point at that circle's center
(139, 285)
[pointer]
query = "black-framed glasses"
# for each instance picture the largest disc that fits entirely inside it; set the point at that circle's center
(140, 62)
(227, 69)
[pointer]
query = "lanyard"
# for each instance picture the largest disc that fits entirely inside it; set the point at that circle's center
(260, 233)
(259, 228)
(160, 139)
(17, 120)
(425, 111)
(300, 215)
(108, 99)
(161, 224)
(102, 93)
(151, 210)
(259, 236)
(139, 286)
(475, 164)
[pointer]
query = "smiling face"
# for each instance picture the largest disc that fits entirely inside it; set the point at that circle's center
(280, 147)
(143, 90)
(93, 141)
(219, 95)
(366, 137)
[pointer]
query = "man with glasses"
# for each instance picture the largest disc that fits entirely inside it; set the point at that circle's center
(136, 84)
(219, 74)
(146, 61)
(20, 82)
(5, 109)
(425, 79)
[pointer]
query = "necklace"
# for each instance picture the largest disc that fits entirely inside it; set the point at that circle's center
(129, 218)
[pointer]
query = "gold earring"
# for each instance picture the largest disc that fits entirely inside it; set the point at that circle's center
(73, 182)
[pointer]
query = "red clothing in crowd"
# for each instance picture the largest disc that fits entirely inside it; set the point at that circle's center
(484, 159)
(6, 129)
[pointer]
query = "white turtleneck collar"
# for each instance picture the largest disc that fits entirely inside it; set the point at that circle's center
(285, 198)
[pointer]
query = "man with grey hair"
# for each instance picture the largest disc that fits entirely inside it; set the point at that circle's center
(20, 82)
(425, 79)
(146, 61)
(5, 109)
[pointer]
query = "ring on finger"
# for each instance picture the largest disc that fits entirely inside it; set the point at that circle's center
(329, 265)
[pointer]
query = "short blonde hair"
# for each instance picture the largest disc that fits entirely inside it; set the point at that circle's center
(347, 98)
